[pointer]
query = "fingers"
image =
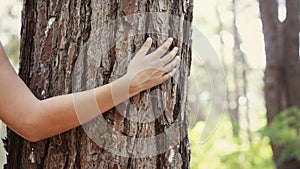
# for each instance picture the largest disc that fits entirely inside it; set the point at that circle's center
(171, 65)
(170, 74)
(170, 56)
(145, 47)
(169, 70)
(163, 48)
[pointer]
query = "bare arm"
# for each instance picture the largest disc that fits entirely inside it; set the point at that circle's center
(36, 119)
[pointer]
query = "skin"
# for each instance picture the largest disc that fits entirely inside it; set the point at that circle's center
(35, 119)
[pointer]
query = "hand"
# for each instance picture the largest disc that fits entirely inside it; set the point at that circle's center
(146, 71)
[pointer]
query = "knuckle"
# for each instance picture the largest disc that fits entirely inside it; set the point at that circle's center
(174, 63)
(165, 47)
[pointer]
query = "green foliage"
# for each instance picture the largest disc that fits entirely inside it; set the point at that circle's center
(284, 132)
(12, 49)
(10, 24)
(223, 151)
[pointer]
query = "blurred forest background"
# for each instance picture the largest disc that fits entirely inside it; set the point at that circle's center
(235, 30)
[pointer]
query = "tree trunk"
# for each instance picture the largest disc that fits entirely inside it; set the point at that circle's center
(282, 76)
(70, 46)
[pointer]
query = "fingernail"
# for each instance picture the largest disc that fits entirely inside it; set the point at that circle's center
(176, 48)
(171, 39)
(149, 38)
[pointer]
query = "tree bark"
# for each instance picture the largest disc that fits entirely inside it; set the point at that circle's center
(71, 46)
(282, 75)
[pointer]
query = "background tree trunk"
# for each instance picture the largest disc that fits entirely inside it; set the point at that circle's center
(282, 76)
(70, 46)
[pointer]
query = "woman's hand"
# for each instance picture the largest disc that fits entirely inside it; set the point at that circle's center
(146, 71)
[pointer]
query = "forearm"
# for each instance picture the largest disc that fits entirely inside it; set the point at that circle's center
(35, 120)
(59, 114)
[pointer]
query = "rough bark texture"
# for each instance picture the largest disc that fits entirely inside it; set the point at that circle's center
(282, 76)
(57, 40)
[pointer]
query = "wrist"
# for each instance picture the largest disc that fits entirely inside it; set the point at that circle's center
(129, 85)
